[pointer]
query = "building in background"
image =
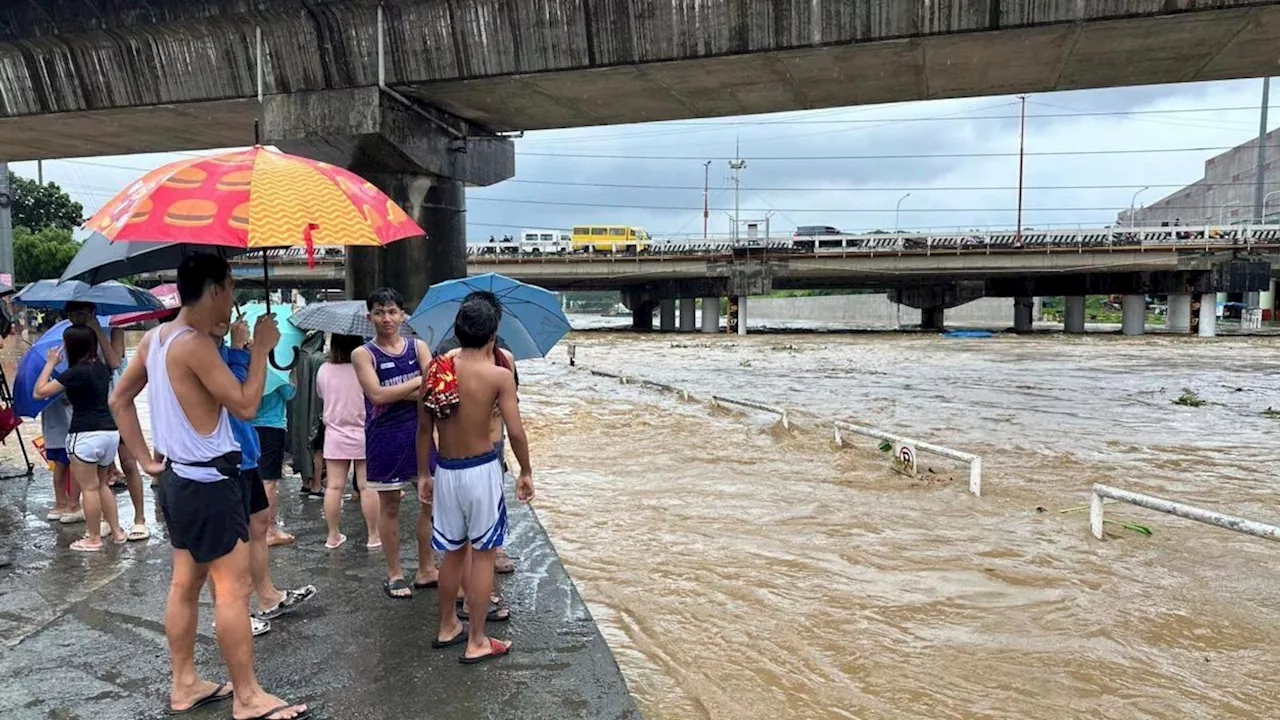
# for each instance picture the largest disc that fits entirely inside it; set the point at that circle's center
(1224, 196)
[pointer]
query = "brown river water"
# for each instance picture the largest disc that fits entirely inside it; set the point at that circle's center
(739, 570)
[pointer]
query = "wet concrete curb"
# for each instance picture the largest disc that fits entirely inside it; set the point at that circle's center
(82, 635)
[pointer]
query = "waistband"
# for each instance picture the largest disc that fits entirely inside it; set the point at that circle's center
(227, 465)
(469, 462)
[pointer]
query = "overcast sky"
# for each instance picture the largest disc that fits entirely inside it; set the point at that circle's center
(828, 167)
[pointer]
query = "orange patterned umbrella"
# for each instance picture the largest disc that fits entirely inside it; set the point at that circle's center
(254, 198)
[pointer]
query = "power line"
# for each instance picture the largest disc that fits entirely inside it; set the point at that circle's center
(681, 208)
(858, 188)
(920, 156)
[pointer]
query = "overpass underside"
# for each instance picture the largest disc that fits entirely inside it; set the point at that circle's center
(127, 76)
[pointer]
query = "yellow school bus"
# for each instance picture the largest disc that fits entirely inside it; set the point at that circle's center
(622, 239)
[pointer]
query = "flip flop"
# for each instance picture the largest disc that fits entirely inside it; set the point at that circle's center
(341, 539)
(373, 546)
(492, 616)
(397, 584)
(459, 639)
(216, 696)
(138, 532)
(304, 715)
(496, 650)
(79, 546)
(426, 585)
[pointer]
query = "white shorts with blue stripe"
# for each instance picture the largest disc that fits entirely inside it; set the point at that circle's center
(468, 505)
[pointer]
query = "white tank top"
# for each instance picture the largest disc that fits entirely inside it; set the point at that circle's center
(171, 431)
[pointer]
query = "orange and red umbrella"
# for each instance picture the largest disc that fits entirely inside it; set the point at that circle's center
(256, 198)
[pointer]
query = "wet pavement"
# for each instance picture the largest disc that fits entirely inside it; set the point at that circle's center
(83, 635)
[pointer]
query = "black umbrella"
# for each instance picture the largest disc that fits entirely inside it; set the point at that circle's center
(100, 260)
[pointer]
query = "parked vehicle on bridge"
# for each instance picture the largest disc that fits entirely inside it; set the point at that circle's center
(617, 239)
(545, 242)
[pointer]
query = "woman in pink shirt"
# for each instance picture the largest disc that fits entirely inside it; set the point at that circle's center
(338, 388)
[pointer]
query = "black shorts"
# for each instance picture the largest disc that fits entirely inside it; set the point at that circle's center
(271, 461)
(255, 492)
(206, 519)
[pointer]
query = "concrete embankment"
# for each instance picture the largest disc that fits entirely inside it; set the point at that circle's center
(83, 634)
(875, 310)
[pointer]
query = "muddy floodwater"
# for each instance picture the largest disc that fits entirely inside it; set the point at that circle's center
(739, 570)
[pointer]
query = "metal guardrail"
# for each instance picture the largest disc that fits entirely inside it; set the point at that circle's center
(1170, 507)
(786, 419)
(974, 461)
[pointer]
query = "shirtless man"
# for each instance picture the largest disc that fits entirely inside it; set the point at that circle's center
(469, 507)
(202, 496)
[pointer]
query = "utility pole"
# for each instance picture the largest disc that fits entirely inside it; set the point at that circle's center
(706, 200)
(6, 226)
(1022, 148)
(736, 165)
(40, 172)
(1260, 172)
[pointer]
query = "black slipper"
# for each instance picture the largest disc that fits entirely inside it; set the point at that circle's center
(426, 585)
(494, 654)
(209, 699)
(491, 616)
(390, 585)
(459, 639)
(304, 715)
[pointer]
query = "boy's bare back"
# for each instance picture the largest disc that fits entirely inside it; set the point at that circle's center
(481, 385)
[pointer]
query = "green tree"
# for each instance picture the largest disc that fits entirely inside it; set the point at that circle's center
(43, 254)
(36, 206)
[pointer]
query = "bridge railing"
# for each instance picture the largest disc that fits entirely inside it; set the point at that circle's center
(1171, 507)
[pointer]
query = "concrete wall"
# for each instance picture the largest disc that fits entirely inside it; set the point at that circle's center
(875, 310)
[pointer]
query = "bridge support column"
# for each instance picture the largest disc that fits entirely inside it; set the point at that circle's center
(1023, 314)
(642, 317)
(710, 314)
(931, 318)
(1073, 314)
(688, 314)
(1178, 318)
(742, 315)
(667, 314)
(1208, 314)
(1133, 318)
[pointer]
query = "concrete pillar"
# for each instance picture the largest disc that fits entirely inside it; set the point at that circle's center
(1073, 316)
(1208, 314)
(688, 315)
(667, 315)
(931, 318)
(1023, 314)
(1178, 318)
(1133, 317)
(641, 316)
(742, 315)
(710, 314)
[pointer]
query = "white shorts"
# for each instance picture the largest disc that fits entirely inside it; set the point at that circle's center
(96, 447)
(468, 505)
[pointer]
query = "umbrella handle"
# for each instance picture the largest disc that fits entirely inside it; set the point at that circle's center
(283, 368)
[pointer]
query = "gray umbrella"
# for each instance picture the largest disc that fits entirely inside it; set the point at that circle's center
(340, 317)
(100, 260)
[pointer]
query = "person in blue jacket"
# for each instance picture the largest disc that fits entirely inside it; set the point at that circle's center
(272, 603)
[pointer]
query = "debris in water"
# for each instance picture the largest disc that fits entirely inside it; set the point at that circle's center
(885, 446)
(1189, 398)
(1271, 413)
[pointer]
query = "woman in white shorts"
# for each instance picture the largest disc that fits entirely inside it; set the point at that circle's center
(92, 439)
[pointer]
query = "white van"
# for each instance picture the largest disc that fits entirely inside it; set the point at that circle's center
(545, 242)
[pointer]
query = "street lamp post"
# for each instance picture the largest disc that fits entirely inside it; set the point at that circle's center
(1264, 205)
(1222, 211)
(1132, 201)
(897, 225)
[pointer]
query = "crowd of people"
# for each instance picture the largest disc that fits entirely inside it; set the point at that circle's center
(407, 424)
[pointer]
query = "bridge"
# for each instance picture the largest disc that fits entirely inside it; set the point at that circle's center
(929, 271)
(415, 94)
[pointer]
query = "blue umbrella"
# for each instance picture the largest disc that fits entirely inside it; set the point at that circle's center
(532, 321)
(290, 338)
(29, 367)
(110, 297)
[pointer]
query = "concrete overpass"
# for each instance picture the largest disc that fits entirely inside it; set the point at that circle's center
(414, 93)
(929, 272)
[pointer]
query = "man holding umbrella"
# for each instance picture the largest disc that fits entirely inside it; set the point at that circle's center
(205, 504)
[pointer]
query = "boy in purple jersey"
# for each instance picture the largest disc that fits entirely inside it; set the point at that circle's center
(390, 370)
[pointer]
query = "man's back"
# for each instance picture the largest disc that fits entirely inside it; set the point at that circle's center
(465, 433)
